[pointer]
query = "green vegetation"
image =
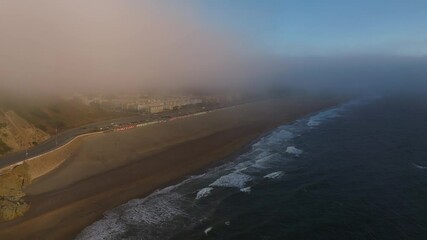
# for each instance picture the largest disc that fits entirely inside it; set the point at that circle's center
(58, 114)
(12, 204)
(4, 148)
(54, 113)
(39, 113)
(41, 127)
(3, 125)
(55, 108)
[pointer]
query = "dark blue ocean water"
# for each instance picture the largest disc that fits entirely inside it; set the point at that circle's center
(357, 171)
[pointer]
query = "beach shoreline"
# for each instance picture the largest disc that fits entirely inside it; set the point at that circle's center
(62, 211)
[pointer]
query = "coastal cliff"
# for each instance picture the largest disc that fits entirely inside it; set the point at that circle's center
(14, 179)
(12, 183)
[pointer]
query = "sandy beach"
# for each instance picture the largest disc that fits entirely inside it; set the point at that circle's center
(109, 169)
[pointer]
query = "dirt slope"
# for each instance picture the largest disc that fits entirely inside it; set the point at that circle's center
(18, 134)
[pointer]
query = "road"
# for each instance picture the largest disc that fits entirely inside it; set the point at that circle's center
(68, 135)
(63, 138)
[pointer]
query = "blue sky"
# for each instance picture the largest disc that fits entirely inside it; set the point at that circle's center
(324, 27)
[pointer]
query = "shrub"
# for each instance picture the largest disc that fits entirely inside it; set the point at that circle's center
(4, 148)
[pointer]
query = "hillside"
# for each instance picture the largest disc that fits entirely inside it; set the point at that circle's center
(18, 134)
(26, 123)
(63, 115)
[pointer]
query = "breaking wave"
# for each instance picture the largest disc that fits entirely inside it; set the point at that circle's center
(207, 230)
(419, 166)
(236, 180)
(274, 175)
(204, 192)
(246, 189)
(293, 150)
(332, 113)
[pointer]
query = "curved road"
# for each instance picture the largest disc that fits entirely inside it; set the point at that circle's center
(68, 135)
(63, 138)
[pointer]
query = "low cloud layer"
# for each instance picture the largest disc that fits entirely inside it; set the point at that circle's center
(58, 46)
(367, 74)
(55, 45)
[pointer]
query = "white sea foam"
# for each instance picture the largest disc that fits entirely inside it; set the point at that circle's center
(237, 180)
(204, 192)
(242, 166)
(263, 162)
(207, 230)
(279, 136)
(246, 190)
(227, 223)
(317, 119)
(153, 211)
(274, 175)
(419, 166)
(261, 153)
(293, 150)
(107, 228)
(157, 209)
(338, 111)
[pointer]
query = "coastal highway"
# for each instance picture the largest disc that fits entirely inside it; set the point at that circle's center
(63, 138)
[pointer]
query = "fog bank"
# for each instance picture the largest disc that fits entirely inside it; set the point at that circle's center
(52, 45)
(367, 74)
(58, 46)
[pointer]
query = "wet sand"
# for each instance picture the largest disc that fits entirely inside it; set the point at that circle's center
(110, 169)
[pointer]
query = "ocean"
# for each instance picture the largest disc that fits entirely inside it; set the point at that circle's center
(355, 171)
